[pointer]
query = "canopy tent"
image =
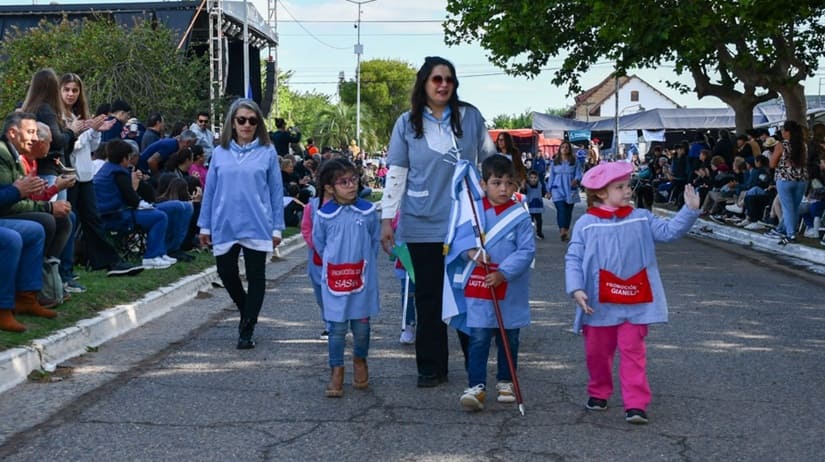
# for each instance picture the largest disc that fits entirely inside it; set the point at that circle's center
(529, 140)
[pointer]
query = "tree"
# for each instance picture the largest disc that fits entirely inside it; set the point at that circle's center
(140, 65)
(523, 120)
(736, 51)
(386, 86)
(336, 127)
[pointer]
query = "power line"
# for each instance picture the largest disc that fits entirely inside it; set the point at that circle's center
(376, 21)
(308, 31)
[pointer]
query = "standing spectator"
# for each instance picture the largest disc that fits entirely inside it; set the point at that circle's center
(282, 138)
(198, 169)
(535, 191)
(43, 100)
(311, 149)
(563, 187)
(242, 209)
(505, 147)
(438, 129)
(789, 161)
(206, 139)
(120, 111)
(154, 130)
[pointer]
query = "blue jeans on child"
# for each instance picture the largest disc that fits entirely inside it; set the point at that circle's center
(479, 352)
(338, 339)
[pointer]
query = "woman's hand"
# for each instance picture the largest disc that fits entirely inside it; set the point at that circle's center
(205, 239)
(276, 241)
(387, 236)
(64, 182)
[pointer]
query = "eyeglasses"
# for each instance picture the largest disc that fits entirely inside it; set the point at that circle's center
(351, 181)
(241, 120)
(439, 79)
(206, 121)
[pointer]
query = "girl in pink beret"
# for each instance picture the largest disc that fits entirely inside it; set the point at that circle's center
(612, 274)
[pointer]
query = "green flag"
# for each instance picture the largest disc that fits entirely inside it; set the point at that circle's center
(403, 253)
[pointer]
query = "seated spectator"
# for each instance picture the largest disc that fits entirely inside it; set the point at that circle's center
(156, 154)
(178, 163)
(198, 168)
(21, 251)
(121, 207)
(294, 203)
(721, 178)
(174, 191)
(154, 130)
(756, 183)
(120, 111)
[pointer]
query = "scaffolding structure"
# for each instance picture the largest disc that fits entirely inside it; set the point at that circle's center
(217, 77)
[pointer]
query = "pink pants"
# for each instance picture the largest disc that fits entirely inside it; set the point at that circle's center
(600, 347)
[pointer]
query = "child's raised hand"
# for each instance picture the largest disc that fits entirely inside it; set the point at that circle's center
(691, 197)
(581, 300)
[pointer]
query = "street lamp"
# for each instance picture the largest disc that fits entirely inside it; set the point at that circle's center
(359, 49)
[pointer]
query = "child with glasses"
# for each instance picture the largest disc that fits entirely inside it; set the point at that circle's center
(346, 234)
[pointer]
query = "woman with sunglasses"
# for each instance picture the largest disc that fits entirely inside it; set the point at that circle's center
(242, 209)
(424, 147)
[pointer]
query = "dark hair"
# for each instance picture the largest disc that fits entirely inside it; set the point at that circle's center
(203, 113)
(103, 109)
(177, 159)
(81, 106)
(120, 105)
(419, 97)
(117, 150)
(280, 123)
(197, 152)
(796, 143)
(13, 120)
(154, 119)
(176, 189)
(178, 128)
(330, 171)
(571, 155)
(45, 89)
(497, 166)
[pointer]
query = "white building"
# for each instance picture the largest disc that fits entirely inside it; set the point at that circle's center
(599, 102)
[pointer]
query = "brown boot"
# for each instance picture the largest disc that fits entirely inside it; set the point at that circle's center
(335, 388)
(8, 323)
(26, 303)
(360, 373)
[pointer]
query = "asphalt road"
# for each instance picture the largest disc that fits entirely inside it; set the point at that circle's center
(736, 375)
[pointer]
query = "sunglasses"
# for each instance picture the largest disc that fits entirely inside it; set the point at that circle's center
(241, 120)
(351, 181)
(206, 121)
(439, 79)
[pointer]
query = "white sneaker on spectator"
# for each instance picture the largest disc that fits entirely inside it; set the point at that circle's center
(170, 260)
(155, 263)
(743, 223)
(733, 208)
(755, 226)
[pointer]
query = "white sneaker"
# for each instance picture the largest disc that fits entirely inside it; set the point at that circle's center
(733, 208)
(755, 226)
(743, 223)
(505, 392)
(408, 335)
(473, 398)
(170, 260)
(811, 233)
(155, 263)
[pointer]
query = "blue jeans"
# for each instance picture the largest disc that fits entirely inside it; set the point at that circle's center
(338, 339)
(179, 214)
(790, 196)
(814, 210)
(479, 351)
(155, 223)
(66, 267)
(50, 180)
(21, 251)
(564, 214)
(316, 289)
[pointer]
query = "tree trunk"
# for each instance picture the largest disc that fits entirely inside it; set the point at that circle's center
(743, 114)
(796, 106)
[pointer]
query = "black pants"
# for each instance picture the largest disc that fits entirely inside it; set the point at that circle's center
(431, 347)
(58, 230)
(249, 302)
(539, 223)
(99, 253)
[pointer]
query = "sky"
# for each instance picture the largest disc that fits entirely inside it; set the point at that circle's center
(317, 38)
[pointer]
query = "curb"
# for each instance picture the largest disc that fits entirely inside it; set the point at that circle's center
(754, 240)
(45, 354)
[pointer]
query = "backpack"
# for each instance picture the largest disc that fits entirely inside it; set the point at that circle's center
(52, 282)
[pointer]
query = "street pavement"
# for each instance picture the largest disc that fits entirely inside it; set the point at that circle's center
(736, 375)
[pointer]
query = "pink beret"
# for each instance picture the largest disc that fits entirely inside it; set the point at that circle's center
(605, 173)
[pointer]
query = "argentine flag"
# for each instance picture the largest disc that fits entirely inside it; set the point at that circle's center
(464, 233)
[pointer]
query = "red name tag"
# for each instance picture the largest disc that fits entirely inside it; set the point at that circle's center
(477, 288)
(345, 278)
(635, 289)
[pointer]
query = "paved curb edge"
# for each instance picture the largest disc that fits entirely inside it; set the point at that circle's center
(45, 354)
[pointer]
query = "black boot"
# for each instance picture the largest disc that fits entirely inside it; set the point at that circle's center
(245, 330)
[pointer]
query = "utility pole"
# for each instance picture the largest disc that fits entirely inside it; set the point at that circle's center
(359, 49)
(246, 83)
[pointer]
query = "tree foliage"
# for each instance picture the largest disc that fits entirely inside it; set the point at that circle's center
(336, 126)
(386, 85)
(523, 120)
(740, 52)
(139, 64)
